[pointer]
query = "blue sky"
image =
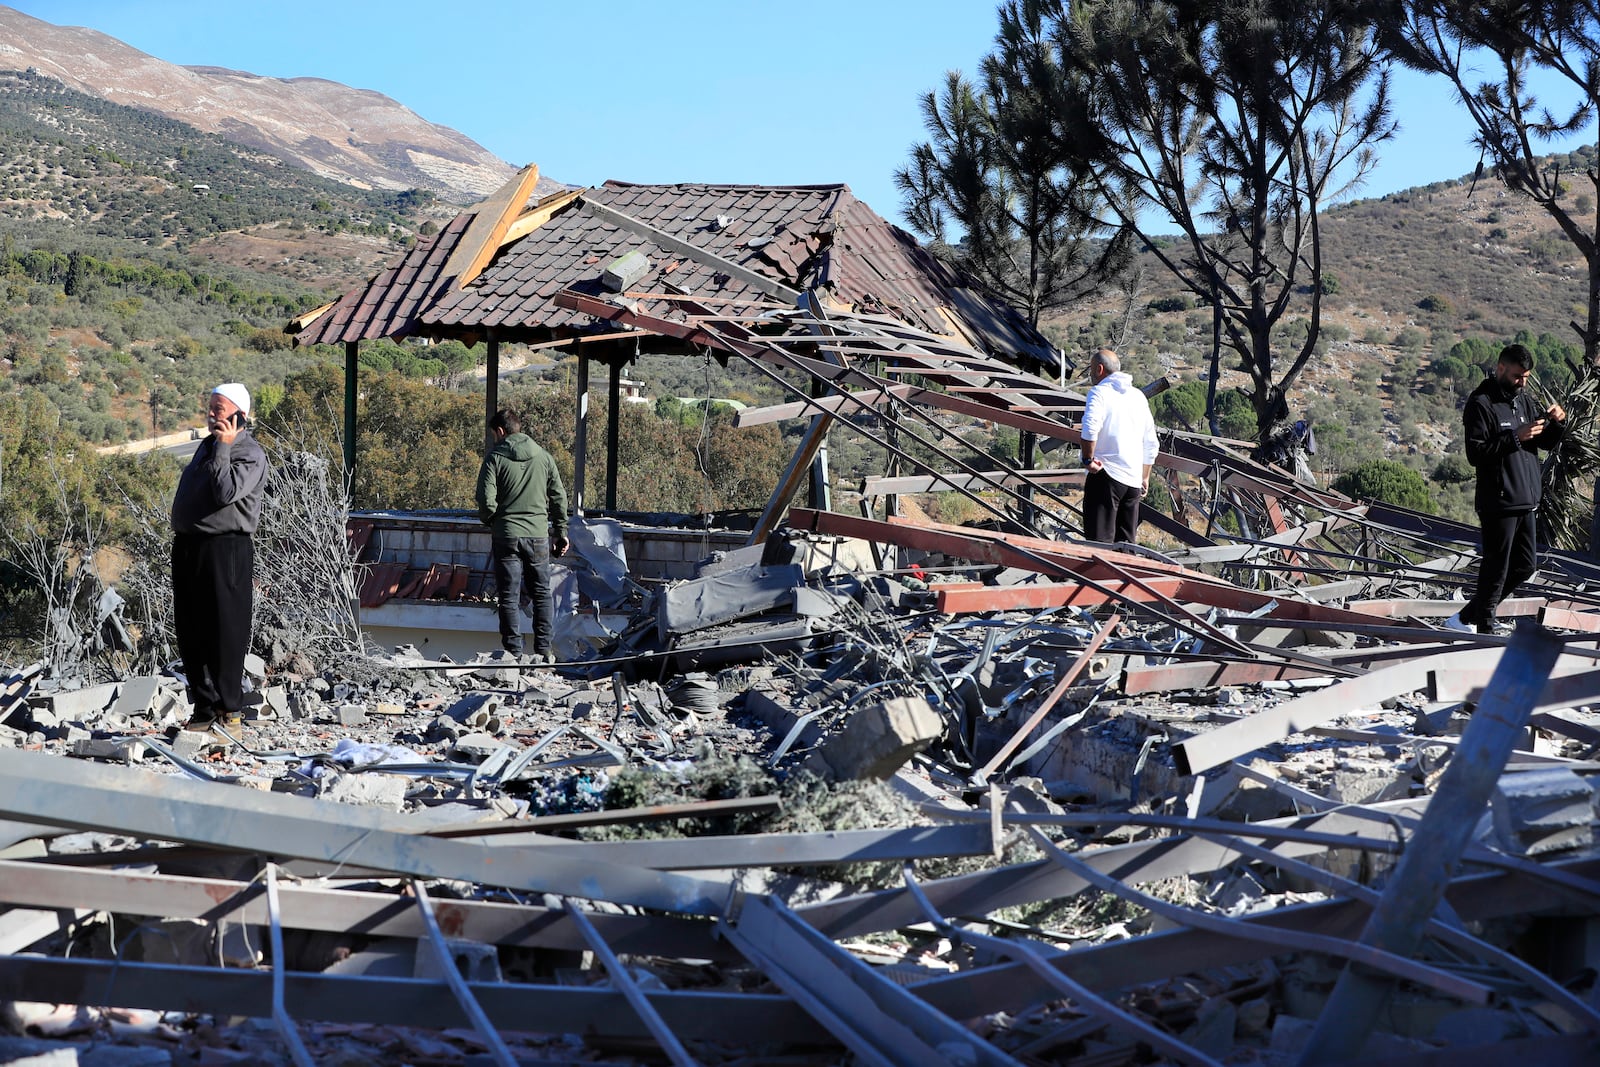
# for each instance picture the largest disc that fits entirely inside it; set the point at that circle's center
(690, 90)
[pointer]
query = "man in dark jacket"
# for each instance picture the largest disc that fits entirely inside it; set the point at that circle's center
(214, 515)
(522, 501)
(1505, 428)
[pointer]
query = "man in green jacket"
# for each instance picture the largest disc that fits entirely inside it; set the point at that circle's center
(522, 501)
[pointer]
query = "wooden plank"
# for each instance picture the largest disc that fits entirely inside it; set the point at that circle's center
(543, 213)
(490, 221)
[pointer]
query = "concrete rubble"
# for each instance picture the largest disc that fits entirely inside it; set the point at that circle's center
(869, 791)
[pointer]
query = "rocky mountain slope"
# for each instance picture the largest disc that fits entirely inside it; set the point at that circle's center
(350, 135)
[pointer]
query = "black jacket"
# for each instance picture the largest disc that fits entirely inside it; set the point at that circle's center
(1508, 469)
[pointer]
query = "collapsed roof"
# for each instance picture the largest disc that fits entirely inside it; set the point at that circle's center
(499, 266)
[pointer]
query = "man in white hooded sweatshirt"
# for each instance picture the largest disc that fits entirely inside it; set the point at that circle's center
(1119, 448)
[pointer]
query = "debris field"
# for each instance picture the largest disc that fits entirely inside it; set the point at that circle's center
(867, 791)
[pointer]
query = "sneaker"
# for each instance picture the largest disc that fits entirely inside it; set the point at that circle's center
(1496, 627)
(1454, 623)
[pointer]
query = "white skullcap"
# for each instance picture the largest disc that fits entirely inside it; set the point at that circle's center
(236, 392)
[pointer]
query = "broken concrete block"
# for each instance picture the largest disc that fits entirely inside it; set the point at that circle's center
(118, 749)
(1543, 811)
(475, 747)
(442, 728)
(369, 788)
(780, 718)
(621, 273)
(137, 696)
(276, 699)
(473, 960)
(255, 666)
(878, 739)
(79, 705)
(189, 744)
(474, 709)
(352, 715)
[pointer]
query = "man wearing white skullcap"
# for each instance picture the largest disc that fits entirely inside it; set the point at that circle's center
(214, 515)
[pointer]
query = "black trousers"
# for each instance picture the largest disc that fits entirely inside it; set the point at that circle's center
(516, 558)
(1510, 556)
(213, 596)
(1110, 509)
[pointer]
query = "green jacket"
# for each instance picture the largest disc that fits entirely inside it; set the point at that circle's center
(520, 492)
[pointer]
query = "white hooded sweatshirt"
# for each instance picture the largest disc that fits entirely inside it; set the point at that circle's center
(1116, 417)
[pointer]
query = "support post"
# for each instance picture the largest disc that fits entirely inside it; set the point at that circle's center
(1398, 923)
(580, 436)
(351, 368)
(820, 487)
(613, 433)
(491, 388)
(1027, 447)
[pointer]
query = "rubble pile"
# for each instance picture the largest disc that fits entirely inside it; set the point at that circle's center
(868, 791)
(1079, 832)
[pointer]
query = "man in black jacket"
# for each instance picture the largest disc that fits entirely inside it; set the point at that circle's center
(1505, 429)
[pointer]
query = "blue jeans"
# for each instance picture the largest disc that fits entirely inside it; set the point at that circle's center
(514, 557)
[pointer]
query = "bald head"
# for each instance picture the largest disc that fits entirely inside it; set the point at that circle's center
(1104, 362)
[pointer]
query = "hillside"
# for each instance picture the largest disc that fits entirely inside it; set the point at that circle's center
(99, 168)
(355, 136)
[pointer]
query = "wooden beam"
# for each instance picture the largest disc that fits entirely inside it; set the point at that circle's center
(490, 221)
(301, 321)
(547, 209)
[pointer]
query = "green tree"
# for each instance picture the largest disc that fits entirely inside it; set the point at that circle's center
(1388, 481)
(1028, 223)
(1234, 121)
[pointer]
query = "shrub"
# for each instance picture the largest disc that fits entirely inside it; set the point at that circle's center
(1171, 303)
(1453, 470)
(1433, 302)
(1388, 481)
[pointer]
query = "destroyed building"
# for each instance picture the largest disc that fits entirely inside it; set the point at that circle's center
(860, 789)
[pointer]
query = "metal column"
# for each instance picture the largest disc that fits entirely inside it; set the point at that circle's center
(580, 437)
(491, 389)
(351, 367)
(613, 433)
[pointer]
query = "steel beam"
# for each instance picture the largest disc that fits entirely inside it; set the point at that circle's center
(94, 796)
(882, 1023)
(368, 914)
(821, 848)
(1414, 890)
(1178, 676)
(1216, 747)
(737, 1018)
